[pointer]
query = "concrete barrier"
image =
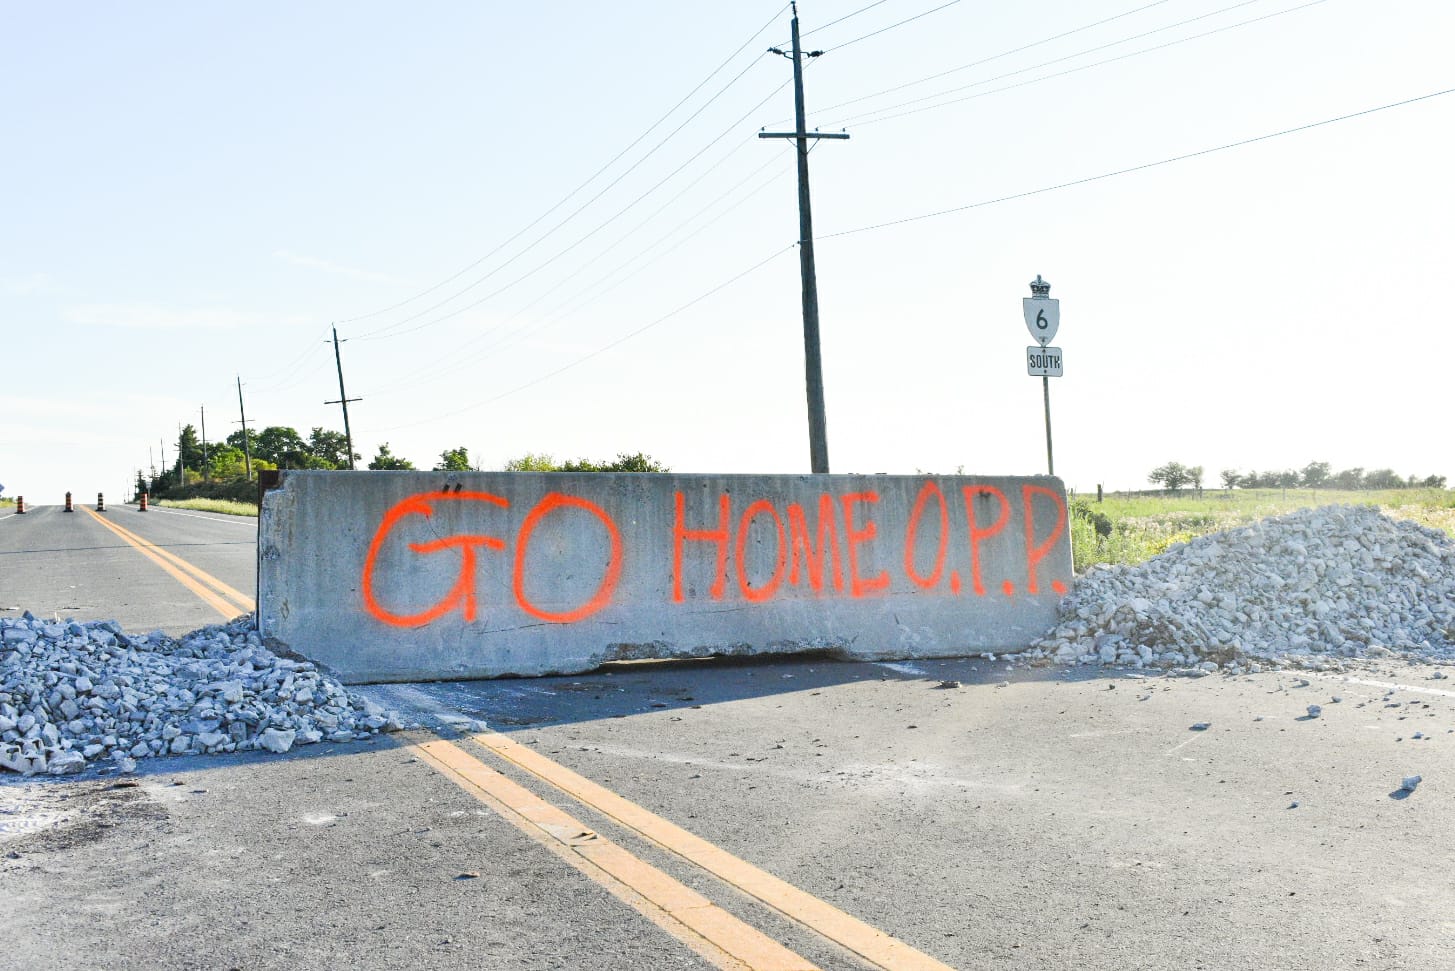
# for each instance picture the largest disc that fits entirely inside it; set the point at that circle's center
(401, 576)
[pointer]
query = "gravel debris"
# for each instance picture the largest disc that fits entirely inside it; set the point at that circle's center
(74, 694)
(1310, 589)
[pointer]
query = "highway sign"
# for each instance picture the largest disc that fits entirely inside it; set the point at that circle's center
(1043, 316)
(1043, 362)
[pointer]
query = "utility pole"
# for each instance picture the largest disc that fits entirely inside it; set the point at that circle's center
(247, 448)
(163, 446)
(818, 445)
(343, 399)
(181, 458)
(206, 465)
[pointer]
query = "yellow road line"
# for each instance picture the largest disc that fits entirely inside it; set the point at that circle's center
(711, 932)
(241, 599)
(160, 558)
(870, 943)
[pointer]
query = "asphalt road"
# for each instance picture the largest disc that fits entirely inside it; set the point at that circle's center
(1042, 818)
(58, 564)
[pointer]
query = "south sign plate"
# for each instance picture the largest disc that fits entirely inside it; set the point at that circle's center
(1043, 316)
(1043, 362)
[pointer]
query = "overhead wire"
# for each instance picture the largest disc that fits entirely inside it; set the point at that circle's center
(541, 266)
(993, 57)
(594, 290)
(1134, 168)
(598, 351)
(594, 176)
(859, 118)
(883, 30)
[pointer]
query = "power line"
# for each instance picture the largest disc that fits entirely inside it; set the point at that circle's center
(525, 276)
(559, 312)
(597, 174)
(866, 117)
(882, 30)
(995, 57)
(833, 23)
(600, 350)
(1137, 168)
(574, 302)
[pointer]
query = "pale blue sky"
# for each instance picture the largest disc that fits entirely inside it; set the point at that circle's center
(192, 192)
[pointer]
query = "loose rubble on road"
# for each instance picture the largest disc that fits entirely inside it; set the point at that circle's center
(1312, 589)
(73, 693)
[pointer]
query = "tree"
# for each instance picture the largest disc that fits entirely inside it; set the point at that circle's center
(1195, 474)
(531, 462)
(1288, 479)
(1173, 475)
(1315, 474)
(454, 460)
(189, 449)
(282, 446)
(386, 461)
(1434, 482)
(543, 462)
(1350, 479)
(330, 448)
(1383, 479)
(1230, 478)
(227, 462)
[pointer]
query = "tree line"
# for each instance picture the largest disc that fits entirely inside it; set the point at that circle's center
(226, 469)
(1316, 475)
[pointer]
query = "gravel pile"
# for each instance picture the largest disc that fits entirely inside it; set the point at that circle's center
(73, 693)
(1310, 589)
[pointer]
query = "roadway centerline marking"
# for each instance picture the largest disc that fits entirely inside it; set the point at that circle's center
(183, 572)
(710, 931)
(873, 945)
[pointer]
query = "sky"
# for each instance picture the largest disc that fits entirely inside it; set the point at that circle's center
(551, 228)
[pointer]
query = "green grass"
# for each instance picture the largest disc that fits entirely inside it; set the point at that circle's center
(1143, 525)
(225, 506)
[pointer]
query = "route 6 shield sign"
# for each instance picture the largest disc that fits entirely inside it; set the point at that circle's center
(1043, 316)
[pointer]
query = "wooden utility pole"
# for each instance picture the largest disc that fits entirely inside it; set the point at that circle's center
(818, 445)
(343, 399)
(247, 448)
(206, 465)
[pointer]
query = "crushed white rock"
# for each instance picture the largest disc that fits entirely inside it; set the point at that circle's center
(73, 694)
(1307, 589)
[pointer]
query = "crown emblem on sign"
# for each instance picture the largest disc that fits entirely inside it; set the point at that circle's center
(1040, 288)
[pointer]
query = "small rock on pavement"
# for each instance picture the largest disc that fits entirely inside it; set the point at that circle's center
(1410, 783)
(1314, 711)
(948, 684)
(1200, 727)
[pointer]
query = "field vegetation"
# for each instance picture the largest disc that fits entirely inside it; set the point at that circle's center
(1129, 528)
(227, 507)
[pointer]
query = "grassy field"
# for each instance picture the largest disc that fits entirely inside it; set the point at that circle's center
(1132, 527)
(226, 506)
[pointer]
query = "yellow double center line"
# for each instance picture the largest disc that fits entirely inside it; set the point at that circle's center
(708, 929)
(193, 578)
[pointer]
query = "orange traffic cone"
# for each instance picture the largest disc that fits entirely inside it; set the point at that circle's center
(69, 507)
(143, 502)
(100, 502)
(19, 505)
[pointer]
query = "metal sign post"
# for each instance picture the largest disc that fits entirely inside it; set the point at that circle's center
(1043, 318)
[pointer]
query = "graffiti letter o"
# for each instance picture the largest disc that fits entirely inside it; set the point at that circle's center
(603, 593)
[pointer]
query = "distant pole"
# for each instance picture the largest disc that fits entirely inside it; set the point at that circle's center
(343, 398)
(247, 448)
(818, 445)
(162, 444)
(206, 464)
(181, 459)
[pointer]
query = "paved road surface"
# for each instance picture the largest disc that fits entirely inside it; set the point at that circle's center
(1026, 819)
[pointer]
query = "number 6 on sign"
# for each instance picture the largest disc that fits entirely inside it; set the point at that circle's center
(1043, 316)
